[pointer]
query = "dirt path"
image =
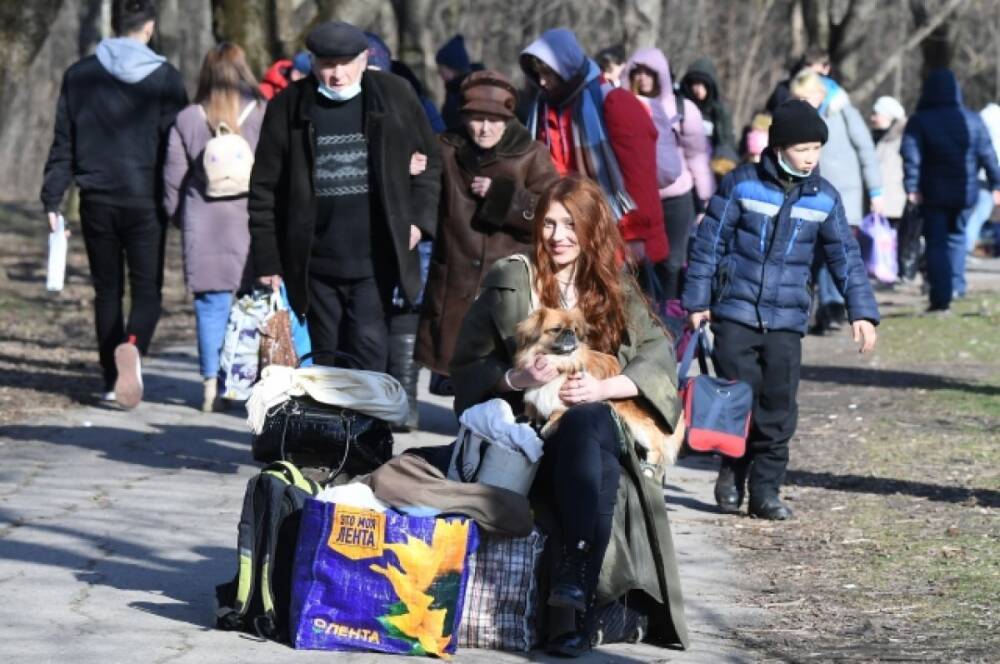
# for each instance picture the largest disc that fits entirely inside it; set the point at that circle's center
(895, 479)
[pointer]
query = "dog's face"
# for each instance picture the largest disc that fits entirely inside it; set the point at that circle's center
(552, 332)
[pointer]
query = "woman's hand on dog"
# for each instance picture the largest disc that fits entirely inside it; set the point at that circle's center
(539, 372)
(582, 388)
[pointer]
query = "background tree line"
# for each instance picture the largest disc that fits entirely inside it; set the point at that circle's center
(877, 46)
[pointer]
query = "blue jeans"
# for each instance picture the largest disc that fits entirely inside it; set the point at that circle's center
(981, 211)
(211, 312)
(944, 235)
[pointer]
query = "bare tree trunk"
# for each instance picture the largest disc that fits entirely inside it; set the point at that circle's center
(800, 38)
(867, 87)
(641, 20)
(39, 40)
(761, 15)
(247, 23)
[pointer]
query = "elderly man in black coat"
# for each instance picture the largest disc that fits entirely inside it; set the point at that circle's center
(334, 210)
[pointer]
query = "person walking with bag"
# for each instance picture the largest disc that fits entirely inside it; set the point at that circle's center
(888, 120)
(748, 269)
(576, 262)
(849, 163)
(206, 180)
(334, 211)
(115, 109)
(493, 174)
(944, 146)
(684, 175)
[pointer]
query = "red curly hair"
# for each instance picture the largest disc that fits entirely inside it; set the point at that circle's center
(599, 266)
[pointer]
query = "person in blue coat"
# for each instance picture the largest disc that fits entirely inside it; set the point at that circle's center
(944, 146)
(748, 273)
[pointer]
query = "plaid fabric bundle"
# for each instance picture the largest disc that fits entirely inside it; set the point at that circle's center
(501, 597)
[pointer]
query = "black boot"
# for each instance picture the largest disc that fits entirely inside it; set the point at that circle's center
(569, 587)
(729, 487)
(570, 644)
(769, 507)
(402, 366)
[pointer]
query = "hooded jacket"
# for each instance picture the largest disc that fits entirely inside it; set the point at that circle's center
(115, 108)
(945, 145)
(848, 158)
(750, 260)
(629, 128)
(713, 111)
(696, 172)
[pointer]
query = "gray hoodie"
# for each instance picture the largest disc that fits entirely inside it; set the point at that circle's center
(127, 59)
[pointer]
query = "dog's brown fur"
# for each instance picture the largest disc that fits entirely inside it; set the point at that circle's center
(537, 335)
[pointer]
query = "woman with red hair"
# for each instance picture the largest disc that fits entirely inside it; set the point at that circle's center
(577, 261)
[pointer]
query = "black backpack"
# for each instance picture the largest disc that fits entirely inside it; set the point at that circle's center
(258, 597)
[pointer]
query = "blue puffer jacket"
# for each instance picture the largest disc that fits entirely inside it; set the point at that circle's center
(750, 260)
(945, 145)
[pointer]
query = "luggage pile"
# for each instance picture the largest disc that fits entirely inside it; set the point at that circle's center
(418, 554)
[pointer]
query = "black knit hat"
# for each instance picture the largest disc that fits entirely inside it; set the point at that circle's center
(796, 121)
(336, 39)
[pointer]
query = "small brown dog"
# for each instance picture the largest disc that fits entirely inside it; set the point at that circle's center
(558, 335)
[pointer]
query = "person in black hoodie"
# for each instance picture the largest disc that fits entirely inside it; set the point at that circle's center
(115, 108)
(334, 210)
(700, 85)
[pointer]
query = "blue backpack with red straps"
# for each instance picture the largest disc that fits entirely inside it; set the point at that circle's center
(716, 410)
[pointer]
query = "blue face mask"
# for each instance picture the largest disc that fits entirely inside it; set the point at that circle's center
(786, 167)
(344, 94)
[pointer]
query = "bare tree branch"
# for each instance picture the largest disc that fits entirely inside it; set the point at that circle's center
(866, 88)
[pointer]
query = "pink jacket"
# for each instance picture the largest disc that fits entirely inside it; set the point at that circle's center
(696, 172)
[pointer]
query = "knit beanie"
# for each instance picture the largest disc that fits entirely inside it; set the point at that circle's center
(889, 107)
(302, 62)
(379, 54)
(453, 55)
(796, 121)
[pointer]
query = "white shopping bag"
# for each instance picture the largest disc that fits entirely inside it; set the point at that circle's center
(58, 245)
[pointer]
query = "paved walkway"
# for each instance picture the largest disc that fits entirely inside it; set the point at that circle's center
(115, 528)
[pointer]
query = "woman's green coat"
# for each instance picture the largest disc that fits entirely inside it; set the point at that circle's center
(485, 350)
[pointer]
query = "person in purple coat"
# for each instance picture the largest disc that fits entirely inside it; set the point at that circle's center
(216, 230)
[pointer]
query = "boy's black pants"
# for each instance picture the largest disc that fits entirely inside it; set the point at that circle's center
(771, 362)
(116, 237)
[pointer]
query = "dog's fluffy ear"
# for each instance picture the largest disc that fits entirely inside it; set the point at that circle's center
(528, 331)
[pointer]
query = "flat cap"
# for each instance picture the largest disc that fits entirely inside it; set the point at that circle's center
(336, 39)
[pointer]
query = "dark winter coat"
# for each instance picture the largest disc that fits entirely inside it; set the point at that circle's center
(712, 107)
(945, 145)
(110, 135)
(473, 233)
(750, 260)
(282, 195)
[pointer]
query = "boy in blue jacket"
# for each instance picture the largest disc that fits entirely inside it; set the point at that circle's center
(748, 273)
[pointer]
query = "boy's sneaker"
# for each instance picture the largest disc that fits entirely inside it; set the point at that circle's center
(108, 396)
(128, 387)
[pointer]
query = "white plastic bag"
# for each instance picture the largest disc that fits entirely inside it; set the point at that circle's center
(58, 246)
(240, 358)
